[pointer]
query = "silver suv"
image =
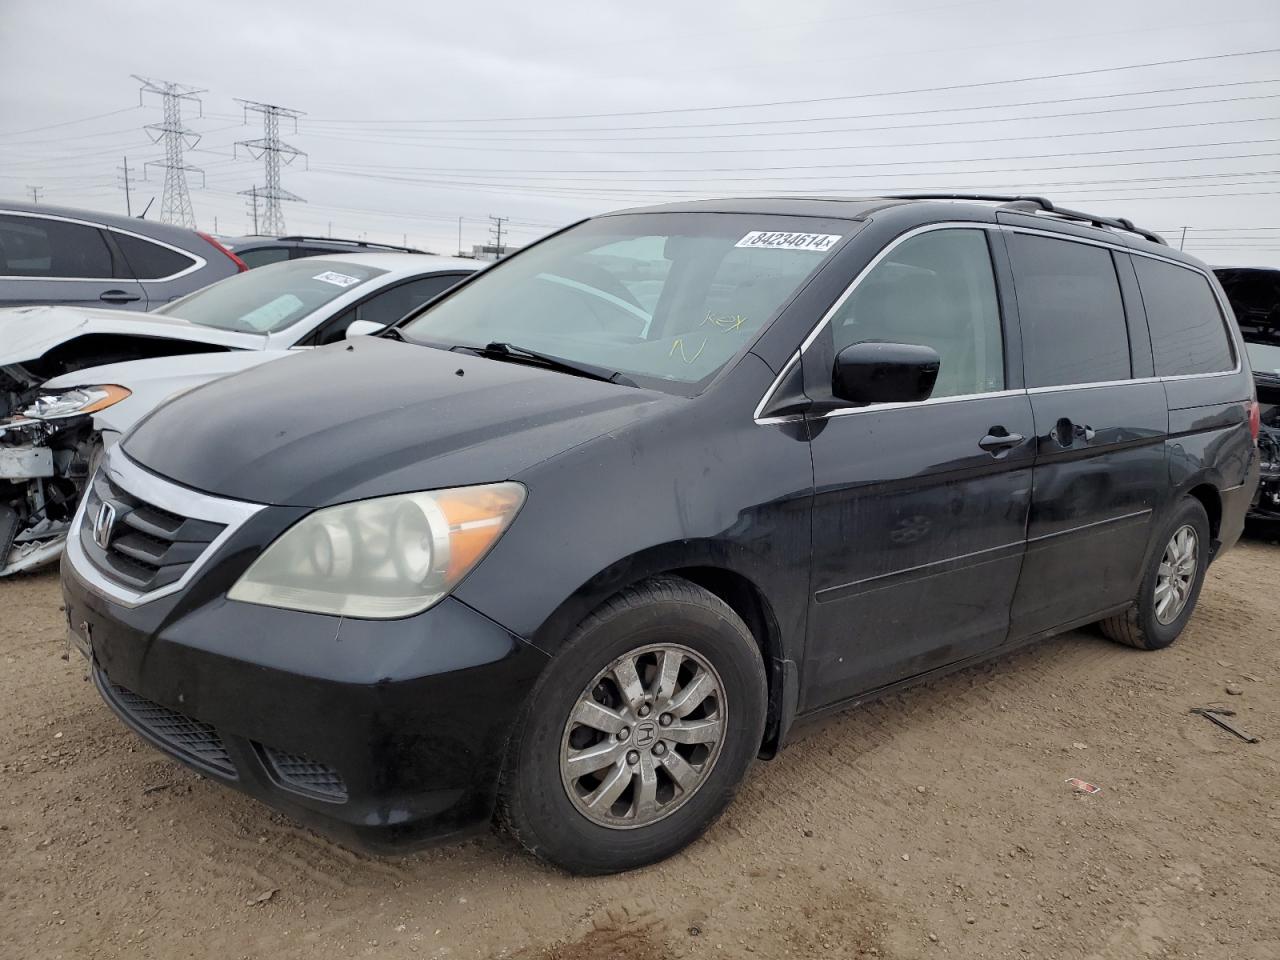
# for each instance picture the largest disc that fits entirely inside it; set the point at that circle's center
(59, 255)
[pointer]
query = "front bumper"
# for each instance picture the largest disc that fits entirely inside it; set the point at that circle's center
(383, 734)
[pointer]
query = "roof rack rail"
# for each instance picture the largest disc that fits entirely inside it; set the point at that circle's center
(1024, 202)
(355, 243)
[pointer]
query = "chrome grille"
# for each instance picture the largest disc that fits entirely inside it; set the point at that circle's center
(146, 547)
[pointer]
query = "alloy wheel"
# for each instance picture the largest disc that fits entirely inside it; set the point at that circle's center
(1177, 574)
(643, 736)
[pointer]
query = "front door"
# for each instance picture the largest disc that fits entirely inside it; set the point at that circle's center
(920, 510)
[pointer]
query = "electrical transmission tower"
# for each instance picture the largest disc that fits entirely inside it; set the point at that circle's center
(270, 149)
(175, 201)
(35, 193)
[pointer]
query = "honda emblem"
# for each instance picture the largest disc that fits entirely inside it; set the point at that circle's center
(103, 525)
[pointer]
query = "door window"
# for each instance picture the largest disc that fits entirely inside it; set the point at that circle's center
(150, 261)
(937, 290)
(1188, 334)
(38, 247)
(1073, 322)
(387, 306)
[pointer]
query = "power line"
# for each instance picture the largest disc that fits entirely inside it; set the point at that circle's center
(67, 123)
(843, 97)
(175, 200)
(482, 136)
(270, 149)
(702, 151)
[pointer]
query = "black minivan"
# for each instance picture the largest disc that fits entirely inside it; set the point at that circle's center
(581, 540)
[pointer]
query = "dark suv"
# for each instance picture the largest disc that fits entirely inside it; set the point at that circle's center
(589, 534)
(1254, 294)
(258, 251)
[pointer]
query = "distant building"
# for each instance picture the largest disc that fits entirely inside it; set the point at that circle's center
(488, 251)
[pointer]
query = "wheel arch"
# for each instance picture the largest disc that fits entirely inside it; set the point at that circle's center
(706, 565)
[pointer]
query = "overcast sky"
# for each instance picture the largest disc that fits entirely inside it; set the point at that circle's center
(419, 113)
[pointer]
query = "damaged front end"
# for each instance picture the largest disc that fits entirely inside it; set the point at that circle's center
(1267, 505)
(49, 448)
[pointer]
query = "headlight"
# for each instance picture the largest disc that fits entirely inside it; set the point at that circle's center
(75, 402)
(390, 557)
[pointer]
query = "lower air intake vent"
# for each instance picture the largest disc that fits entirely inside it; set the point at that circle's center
(188, 738)
(305, 776)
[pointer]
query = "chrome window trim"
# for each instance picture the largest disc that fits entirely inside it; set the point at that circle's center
(1002, 228)
(1063, 387)
(166, 495)
(197, 264)
(932, 401)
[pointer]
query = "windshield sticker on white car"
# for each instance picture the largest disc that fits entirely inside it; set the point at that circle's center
(337, 279)
(272, 313)
(773, 240)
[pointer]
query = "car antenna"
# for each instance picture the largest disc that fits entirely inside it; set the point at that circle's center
(143, 214)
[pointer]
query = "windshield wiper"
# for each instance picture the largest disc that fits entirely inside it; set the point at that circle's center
(499, 350)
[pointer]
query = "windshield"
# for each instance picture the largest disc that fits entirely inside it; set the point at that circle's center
(666, 299)
(272, 297)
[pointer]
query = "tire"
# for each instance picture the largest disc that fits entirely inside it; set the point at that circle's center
(673, 790)
(1142, 626)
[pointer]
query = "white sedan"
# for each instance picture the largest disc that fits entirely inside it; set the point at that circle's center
(72, 380)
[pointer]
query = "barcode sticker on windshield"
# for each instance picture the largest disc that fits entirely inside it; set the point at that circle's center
(337, 279)
(773, 240)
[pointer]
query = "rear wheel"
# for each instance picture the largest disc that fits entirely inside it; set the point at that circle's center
(1171, 584)
(638, 732)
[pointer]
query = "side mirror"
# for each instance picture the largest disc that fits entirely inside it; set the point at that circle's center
(364, 328)
(876, 372)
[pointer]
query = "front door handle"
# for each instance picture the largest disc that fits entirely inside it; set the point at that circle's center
(119, 296)
(999, 441)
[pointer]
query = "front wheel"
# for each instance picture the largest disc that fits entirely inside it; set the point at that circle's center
(639, 731)
(1171, 584)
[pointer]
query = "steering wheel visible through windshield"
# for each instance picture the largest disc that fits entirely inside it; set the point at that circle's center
(666, 299)
(271, 297)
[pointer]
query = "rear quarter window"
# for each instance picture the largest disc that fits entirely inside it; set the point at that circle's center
(150, 261)
(1071, 312)
(1188, 331)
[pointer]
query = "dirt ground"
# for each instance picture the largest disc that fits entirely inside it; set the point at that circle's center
(934, 823)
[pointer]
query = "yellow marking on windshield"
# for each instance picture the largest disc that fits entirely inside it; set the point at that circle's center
(679, 345)
(726, 323)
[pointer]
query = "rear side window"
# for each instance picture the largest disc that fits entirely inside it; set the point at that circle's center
(37, 247)
(263, 255)
(1188, 334)
(1072, 315)
(150, 261)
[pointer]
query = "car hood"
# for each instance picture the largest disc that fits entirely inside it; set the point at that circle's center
(374, 417)
(28, 333)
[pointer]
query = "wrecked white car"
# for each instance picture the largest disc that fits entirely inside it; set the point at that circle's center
(73, 380)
